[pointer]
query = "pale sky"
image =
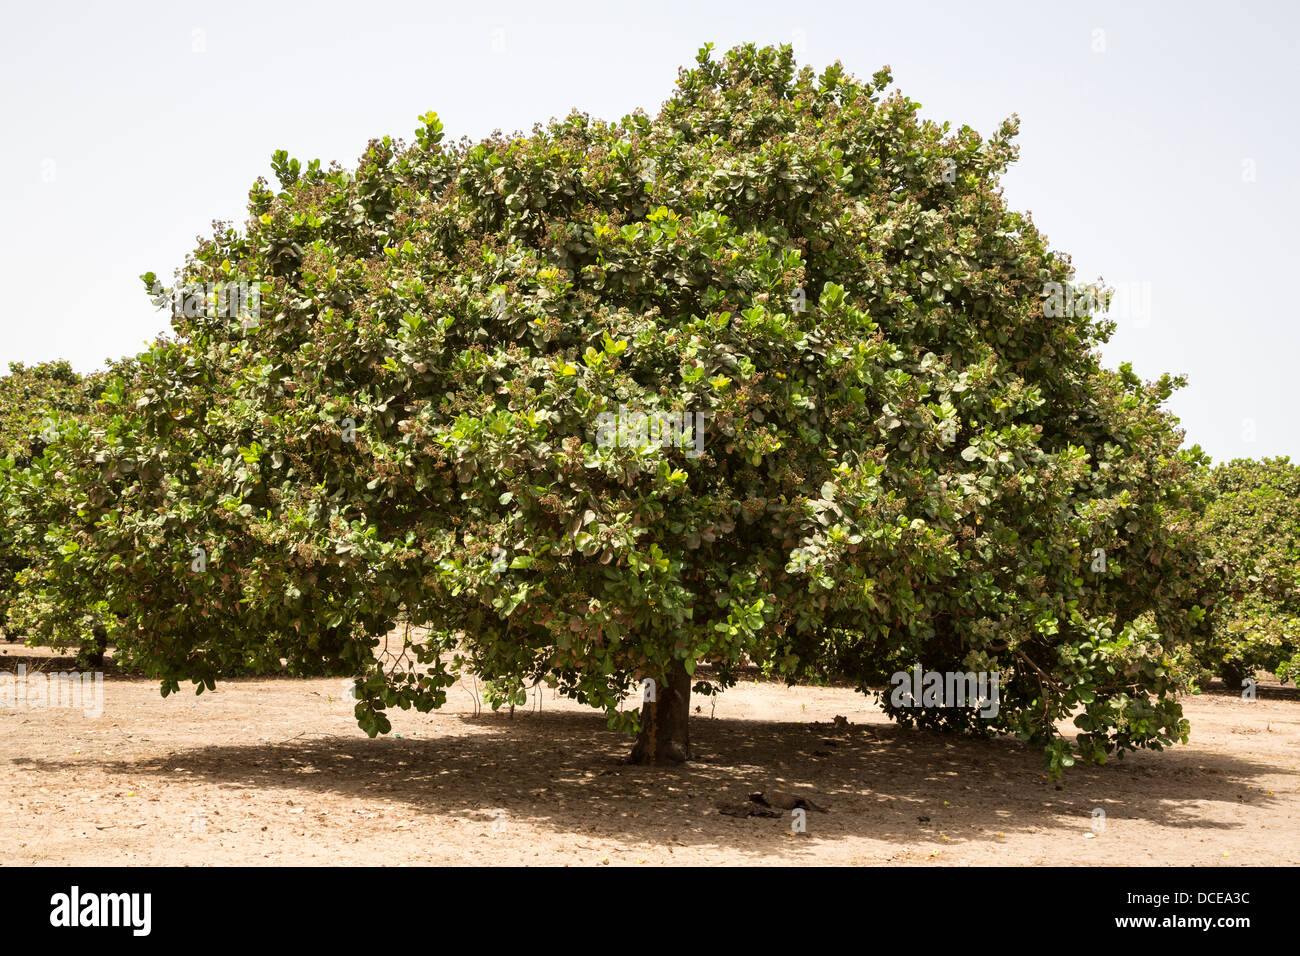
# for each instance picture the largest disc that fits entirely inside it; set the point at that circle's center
(1158, 144)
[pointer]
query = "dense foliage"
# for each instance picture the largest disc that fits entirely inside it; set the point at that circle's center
(906, 457)
(1251, 534)
(33, 401)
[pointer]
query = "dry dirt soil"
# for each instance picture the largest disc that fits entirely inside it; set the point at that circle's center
(276, 771)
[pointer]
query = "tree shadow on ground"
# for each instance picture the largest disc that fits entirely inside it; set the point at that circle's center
(564, 771)
(1267, 689)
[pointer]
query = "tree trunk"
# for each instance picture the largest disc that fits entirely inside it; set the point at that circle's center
(665, 732)
(92, 652)
(1233, 674)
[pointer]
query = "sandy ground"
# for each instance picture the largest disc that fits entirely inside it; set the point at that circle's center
(276, 771)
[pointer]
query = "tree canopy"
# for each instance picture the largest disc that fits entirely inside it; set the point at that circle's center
(1251, 535)
(908, 455)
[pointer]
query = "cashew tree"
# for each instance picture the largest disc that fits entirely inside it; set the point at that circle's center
(773, 378)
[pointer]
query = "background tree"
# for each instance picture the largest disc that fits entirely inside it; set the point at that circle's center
(1252, 537)
(35, 401)
(110, 521)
